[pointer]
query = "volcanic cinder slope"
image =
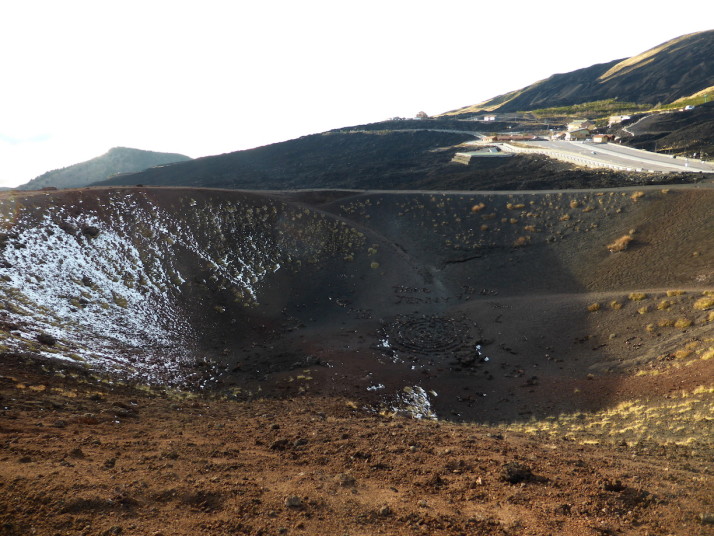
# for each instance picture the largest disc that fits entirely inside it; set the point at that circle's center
(500, 308)
(375, 291)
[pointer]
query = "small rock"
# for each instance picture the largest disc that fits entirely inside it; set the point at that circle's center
(293, 501)
(707, 518)
(423, 504)
(345, 480)
(90, 231)
(110, 463)
(25, 459)
(515, 472)
(279, 444)
(76, 453)
(612, 485)
(385, 511)
(46, 339)
(116, 529)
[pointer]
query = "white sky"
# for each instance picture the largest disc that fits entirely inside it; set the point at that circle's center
(213, 76)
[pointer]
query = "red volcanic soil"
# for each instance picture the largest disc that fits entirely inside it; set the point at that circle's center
(184, 361)
(80, 457)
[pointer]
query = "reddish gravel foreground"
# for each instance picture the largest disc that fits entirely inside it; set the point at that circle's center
(82, 457)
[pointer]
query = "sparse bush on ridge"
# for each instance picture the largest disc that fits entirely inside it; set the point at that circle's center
(664, 304)
(682, 323)
(702, 304)
(620, 244)
(637, 296)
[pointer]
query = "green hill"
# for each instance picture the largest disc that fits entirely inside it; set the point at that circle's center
(116, 161)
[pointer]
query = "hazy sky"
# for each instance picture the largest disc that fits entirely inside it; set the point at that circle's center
(213, 76)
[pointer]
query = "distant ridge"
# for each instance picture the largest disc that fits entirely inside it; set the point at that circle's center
(677, 68)
(116, 161)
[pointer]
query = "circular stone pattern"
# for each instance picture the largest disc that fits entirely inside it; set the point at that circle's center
(436, 337)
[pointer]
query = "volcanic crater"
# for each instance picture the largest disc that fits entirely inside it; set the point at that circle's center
(510, 310)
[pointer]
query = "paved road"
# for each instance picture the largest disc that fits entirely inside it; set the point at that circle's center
(611, 154)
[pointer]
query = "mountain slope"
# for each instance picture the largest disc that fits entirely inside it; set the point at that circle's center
(675, 69)
(381, 159)
(116, 160)
(329, 160)
(683, 133)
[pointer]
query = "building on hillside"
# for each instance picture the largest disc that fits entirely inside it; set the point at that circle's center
(578, 124)
(617, 119)
(508, 137)
(468, 157)
(577, 135)
(602, 138)
(489, 117)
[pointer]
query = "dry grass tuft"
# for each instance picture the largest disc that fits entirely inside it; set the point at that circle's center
(620, 244)
(477, 208)
(671, 293)
(636, 195)
(637, 296)
(682, 323)
(705, 303)
(664, 304)
(594, 307)
(615, 305)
